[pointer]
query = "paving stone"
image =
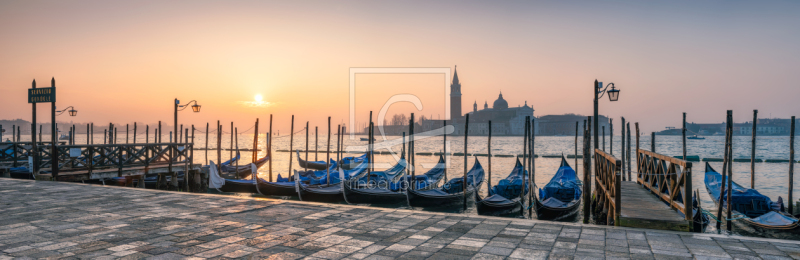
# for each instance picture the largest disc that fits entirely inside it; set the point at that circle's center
(107, 223)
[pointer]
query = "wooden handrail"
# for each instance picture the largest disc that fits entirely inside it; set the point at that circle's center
(670, 179)
(607, 170)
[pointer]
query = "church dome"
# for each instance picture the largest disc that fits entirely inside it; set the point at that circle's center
(500, 103)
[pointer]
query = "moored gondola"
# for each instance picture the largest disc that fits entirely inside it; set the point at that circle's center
(329, 192)
(561, 197)
(378, 187)
(505, 197)
(451, 194)
(313, 165)
(752, 212)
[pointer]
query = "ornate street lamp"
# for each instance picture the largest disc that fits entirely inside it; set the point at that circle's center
(599, 91)
(72, 111)
(179, 107)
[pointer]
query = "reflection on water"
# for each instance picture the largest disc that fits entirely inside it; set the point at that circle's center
(771, 178)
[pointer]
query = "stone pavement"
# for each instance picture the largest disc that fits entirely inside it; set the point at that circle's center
(66, 220)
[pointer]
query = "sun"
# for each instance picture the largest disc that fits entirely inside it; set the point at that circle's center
(259, 98)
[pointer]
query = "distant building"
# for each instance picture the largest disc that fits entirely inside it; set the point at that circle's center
(765, 126)
(505, 120)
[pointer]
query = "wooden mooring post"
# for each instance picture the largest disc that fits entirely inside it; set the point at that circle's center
(587, 172)
(576, 146)
(532, 165)
(489, 158)
(269, 148)
(791, 168)
(291, 143)
(753, 153)
(683, 132)
(444, 145)
(628, 154)
(622, 147)
(464, 184)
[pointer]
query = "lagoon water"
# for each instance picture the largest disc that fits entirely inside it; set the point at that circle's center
(771, 178)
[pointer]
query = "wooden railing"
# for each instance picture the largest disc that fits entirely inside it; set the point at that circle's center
(607, 171)
(12, 153)
(104, 156)
(668, 178)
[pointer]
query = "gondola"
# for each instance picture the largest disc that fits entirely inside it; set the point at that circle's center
(561, 197)
(426, 181)
(332, 192)
(753, 212)
(378, 187)
(504, 198)
(242, 171)
(313, 165)
(451, 194)
(286, 186)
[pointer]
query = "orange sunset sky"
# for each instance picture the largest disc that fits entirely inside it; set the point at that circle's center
(125, 61)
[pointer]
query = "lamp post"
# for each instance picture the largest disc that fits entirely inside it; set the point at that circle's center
(179, 107)
(72, 111)
(599, 91)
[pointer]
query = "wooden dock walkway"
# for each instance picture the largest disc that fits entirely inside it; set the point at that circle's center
(642, 209)
(654, 201)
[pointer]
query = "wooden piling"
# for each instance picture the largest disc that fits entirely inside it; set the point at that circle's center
(160, 133)
(603, 134)
(291, 142)
(306, 168)
(653, 141)
(219, 147)
(255, 143)
(724, 170)
(525, 150)
(105, 136)
(235, 133)
(611, 136)
(587, 173)
(91, 135)
(576, 147)
(629, 151)
(40, 133)
(413, 149)
(466, 134)
(230, 154)
(410, 150)
(327, 151)
(526, 128)
(134, 132)
(369, 148)
(206, 153)
(532, 172)
(683, 132)
(753, 153)
(791, 168)
(444, 145)
(269, 148)
(316, 143)
(489, 158)
(622, 147)
(730, 170)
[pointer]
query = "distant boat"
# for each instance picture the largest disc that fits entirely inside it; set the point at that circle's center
(63, 137)
(695, 137)
(366, 139)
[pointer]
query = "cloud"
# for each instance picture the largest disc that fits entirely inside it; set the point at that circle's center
(256, 104)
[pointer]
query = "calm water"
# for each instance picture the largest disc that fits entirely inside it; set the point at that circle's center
(771, 178)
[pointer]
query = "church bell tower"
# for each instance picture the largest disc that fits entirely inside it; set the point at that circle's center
(455, 97)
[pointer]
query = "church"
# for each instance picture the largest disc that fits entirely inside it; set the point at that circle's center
(505, 120)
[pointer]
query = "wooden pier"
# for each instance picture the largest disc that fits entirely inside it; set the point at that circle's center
(654, 201)
(107, 161)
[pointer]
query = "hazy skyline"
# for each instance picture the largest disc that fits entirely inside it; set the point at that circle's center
(126, 61)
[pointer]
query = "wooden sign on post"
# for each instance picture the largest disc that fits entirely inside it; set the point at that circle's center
(42, 95)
